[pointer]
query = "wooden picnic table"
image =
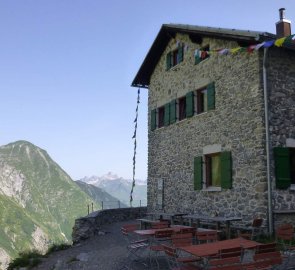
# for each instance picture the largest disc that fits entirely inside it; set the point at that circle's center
(217, 219)
(175, 228)
(170, 216)
(145, 221)
(211, 249)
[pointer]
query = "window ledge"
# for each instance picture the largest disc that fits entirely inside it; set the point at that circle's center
(174, 68)
(212, 189)
(201, 113)
(206, 59)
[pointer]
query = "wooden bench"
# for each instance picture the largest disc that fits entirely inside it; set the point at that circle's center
(232, 263)
(264, 261)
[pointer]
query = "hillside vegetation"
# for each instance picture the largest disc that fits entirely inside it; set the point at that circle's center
(38, 200)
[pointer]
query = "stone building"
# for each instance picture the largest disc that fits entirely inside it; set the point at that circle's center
(221, 127)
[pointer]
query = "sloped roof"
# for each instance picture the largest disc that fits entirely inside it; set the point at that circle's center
(196, 33)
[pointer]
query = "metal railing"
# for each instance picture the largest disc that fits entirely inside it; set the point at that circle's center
(116, 205)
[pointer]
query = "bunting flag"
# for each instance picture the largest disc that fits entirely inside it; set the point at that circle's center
(284, 41)
(135, 145)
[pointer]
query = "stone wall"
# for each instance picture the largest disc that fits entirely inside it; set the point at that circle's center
(281, 87)
(236, 125)
(90, 225)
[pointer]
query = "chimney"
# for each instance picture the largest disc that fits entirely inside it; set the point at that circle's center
(283, 26)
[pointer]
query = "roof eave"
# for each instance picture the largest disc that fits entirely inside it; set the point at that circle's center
(167, 31)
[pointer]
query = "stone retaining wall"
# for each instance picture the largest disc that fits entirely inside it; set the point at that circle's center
(86, 227)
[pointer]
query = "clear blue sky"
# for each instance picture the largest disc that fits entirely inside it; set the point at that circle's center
(66, 67)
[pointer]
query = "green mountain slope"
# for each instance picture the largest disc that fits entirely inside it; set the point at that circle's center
(38, 200)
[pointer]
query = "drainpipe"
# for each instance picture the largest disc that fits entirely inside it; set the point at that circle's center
(269, 190)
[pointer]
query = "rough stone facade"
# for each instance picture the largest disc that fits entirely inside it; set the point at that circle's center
(90, 225)
(236, 124)
(281, 89)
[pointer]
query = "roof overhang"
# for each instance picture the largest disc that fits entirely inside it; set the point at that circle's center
(196, 34)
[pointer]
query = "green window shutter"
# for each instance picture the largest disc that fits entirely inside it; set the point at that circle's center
(198, 173)
(226, 170)
(197, 57)
(282, 167)
(173, 111)
(189, 104)
(180, 53)
(211, 96)
(168, 61)
(153, 119)
(167, 114)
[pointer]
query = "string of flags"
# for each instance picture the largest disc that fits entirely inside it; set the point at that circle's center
(135, 145)
(289, 40)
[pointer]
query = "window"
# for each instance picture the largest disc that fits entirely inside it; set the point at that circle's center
(161, 115)
(213, 170)
(174, 57)
(202, 101)
(205, 98)
(202, 54)
(181, 108)
(284, 166)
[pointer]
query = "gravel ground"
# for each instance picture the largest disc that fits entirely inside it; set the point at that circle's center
(104, 252)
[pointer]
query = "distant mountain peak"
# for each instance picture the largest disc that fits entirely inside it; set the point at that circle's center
(119, 187)
(110, 176)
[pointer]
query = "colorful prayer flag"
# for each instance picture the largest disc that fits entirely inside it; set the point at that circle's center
(268, 44)
(279, 42)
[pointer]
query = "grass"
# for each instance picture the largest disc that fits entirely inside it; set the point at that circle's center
(31, 259)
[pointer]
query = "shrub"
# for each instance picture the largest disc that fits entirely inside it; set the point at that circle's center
(26, 259)
(57, 247)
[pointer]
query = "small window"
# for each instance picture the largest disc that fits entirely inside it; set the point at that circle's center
(174, 57)
(202, 101)
(181, 108)
(161, 115)
(202, 54)
(213, 170)
(205, 98)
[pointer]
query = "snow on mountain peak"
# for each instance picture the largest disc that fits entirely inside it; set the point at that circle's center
(110, 176)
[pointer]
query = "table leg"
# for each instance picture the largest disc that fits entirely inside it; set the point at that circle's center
(227, 229)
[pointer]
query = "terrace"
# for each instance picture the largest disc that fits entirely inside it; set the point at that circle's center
(104, 247)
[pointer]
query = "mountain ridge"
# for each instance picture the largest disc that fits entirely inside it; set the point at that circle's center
(120, 188)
